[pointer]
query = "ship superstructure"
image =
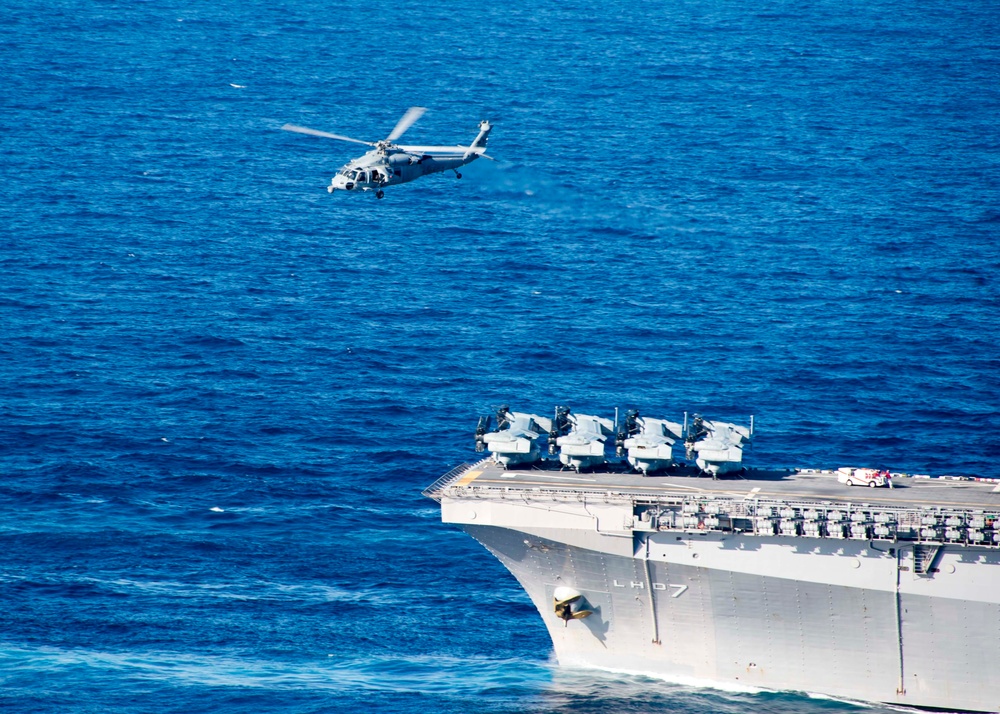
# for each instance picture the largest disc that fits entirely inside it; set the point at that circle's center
(766, 579)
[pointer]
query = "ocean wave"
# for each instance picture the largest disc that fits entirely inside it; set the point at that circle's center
(422, 674)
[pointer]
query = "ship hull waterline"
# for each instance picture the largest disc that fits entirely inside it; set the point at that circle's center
(846, 619)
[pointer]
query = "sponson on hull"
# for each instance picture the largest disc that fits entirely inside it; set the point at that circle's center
(764, 579)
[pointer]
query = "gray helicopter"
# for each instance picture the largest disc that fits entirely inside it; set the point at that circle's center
(388, 164)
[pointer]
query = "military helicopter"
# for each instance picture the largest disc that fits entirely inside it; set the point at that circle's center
(388, 163)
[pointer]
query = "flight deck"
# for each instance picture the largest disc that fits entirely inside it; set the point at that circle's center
(757, 502)
(780, 485)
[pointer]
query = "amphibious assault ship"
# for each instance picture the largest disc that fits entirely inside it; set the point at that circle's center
(705, 572)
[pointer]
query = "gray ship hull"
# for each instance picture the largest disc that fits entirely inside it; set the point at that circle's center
(780, 581)
(768, 613)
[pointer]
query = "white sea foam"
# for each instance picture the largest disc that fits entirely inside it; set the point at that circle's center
(325, 672)
(693, 682)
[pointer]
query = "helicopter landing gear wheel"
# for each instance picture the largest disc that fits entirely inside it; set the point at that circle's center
(458, 175)
(379, 194)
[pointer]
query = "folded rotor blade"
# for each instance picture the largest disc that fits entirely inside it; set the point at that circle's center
(412, 114)
(324, 134)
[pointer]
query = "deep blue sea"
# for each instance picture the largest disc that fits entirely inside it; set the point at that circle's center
(222, 389)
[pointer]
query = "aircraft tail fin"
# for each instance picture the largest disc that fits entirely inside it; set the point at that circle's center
(478, 147)
(484, 134)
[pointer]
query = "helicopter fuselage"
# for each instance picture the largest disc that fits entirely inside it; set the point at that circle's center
(379, 168)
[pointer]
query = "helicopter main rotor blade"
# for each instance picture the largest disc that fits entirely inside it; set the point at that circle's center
(324, 134)
(412, 114)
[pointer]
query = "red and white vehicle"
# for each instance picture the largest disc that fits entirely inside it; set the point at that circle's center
(863, 477)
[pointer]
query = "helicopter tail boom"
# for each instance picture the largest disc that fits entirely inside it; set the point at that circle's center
(478, 146)
(484, 134)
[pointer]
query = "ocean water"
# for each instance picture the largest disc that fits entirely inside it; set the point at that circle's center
(222, 389)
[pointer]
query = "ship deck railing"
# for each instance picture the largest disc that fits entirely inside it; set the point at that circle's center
(757, 515)
(437, 489)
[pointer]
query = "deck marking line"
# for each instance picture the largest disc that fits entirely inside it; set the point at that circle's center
(570, 478)
(753, 492)
(468, 478)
